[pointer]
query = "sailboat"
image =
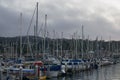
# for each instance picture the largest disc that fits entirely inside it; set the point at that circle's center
(29, 69)
(51, 62)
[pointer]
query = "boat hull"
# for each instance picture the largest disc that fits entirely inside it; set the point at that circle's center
(51, 74)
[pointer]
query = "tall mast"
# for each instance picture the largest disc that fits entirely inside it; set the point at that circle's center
(45, 23)
(76, 45)
(82, 40)
(109, 43)
(101, 48)
(54, 42)
(97, 47)
(87, 45)
(57, 43)
(117, 47)
(61, 43)
(20, 35)
(45, 31)
(36, 28)
(37, 19)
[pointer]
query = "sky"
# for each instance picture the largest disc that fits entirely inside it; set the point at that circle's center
(100, 18)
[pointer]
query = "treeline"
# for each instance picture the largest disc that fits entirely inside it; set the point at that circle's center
(39, 45)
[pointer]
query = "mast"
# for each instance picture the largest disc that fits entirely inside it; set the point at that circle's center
(45, 31)
(54, 42)
(117, 47)
(109, 50)
(76, 41)
(97, 47)
(16, 45)
(82, 40)
(87, 44)
(48, 42)
(20, 35)
(72, 41)
(61, 43)
(36, 29)
(101, 48)
(57, 43)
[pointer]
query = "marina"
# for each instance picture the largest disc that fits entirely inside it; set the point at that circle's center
(110, 72)
(45, 54)
(104, 73)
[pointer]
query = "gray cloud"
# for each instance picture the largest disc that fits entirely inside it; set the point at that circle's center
(100, 18)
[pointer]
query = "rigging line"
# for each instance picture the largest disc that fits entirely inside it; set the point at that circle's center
(30, 24)
(31, 21)
(40, 29)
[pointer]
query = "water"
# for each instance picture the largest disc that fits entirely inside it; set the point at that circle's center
(111, 72)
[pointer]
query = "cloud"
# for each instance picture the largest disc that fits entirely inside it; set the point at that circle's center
(100, 18)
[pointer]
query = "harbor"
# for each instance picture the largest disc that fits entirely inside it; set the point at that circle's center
(110, 72)
(44, 48)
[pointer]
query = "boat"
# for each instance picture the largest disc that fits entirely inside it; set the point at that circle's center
(29, 70)
(42, 78)
(105, 62)
(71, 65)
(53, 66)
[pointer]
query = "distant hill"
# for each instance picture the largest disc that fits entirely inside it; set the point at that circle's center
(54, 44)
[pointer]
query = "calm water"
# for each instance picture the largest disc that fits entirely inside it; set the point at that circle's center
(111, 72)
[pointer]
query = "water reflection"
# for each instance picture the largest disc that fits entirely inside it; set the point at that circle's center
(104, 73)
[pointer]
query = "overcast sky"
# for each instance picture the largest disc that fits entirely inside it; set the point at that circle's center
(99, 17)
